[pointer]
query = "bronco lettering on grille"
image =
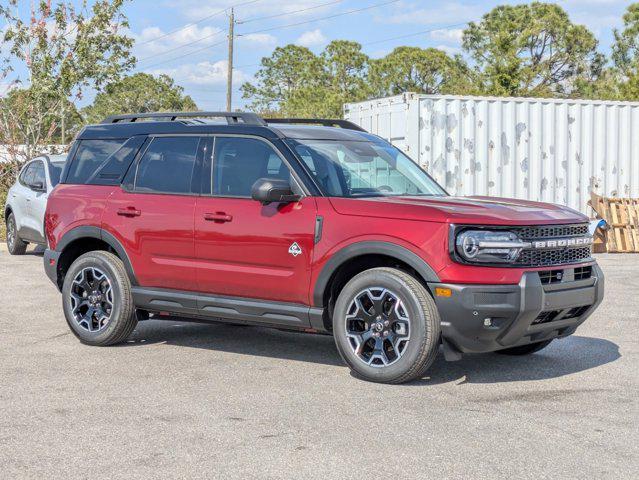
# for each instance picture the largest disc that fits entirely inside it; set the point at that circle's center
(562, 243)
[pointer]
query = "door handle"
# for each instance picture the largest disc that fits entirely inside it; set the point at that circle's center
(129, 212)
(219, 217)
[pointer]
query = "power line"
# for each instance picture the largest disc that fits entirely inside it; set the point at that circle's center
(268, 17)
(180, 47)
(206, 37)
(321, 18)
(417, 33)
(185, 55)
(203, 19)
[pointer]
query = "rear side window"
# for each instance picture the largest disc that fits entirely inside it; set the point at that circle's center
(38, 174)
(26, 177)
(168, 165)
(90, 157)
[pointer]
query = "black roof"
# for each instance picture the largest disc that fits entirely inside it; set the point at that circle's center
(199, 123)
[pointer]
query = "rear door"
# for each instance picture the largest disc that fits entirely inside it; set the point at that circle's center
(153, 215)
(244, 248)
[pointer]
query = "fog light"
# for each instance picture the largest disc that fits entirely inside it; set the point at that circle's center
(488, 322)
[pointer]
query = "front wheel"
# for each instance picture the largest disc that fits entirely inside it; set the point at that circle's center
(386, 326)
(15, 245)
(97, 300)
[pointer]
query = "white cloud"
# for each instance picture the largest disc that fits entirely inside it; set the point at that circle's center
(450, 35)
(202, 73)
(260, 39)
(312, 38)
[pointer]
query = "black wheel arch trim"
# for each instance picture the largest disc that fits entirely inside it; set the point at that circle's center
(369, 248)
(98, 233)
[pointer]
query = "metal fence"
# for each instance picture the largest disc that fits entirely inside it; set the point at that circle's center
(546, 150)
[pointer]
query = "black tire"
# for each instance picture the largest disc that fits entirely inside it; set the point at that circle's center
(122, 320)
(423, 345)
(15, 245)
(525, 349)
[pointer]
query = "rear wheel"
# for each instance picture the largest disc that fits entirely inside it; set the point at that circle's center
(386, 326)
(14, 244)
(97, 299)
(525, 349)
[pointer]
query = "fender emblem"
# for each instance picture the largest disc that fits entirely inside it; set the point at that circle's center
(295, 249)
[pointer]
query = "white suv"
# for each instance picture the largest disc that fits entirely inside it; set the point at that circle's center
(27, 202)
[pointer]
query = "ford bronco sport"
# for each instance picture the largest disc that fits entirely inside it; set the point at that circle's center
(311, 225)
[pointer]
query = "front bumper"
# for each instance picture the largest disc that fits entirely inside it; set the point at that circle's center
(486, 318)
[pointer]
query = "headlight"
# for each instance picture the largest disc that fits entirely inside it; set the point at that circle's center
(485, 246)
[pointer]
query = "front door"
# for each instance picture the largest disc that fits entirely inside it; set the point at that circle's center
(153, 217)
(244, 248)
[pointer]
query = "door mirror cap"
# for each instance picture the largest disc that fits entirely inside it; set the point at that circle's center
(273, 190)
(38, 187)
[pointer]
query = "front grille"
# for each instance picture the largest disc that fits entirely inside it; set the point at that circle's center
(551, 257)
(552, 315)
(543, 258)
(546, 317)
(552, 231)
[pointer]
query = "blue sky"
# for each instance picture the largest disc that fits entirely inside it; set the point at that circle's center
(187, 39)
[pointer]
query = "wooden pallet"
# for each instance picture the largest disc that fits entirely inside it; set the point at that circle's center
(622, 216)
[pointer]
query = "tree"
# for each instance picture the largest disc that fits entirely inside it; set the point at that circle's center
(63, 51)
(421, 70)
(531, 50)
(296, 82)
(625, 54)
(139, 93)
(286, 71)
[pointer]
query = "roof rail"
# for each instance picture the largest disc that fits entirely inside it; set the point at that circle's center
(318, 121)
(232, 118)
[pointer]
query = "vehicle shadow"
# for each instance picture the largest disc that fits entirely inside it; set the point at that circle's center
(240, 339)
(37, 251)
(563, 357)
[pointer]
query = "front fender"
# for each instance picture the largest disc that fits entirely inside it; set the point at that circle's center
(360, 248)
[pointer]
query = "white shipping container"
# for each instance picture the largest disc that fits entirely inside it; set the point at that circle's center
(545, 150)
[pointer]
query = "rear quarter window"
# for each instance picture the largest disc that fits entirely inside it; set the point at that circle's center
(91, 156)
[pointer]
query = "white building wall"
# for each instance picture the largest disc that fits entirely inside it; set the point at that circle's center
(537, 149)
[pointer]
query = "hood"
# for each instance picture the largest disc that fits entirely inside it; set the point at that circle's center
(471, 210)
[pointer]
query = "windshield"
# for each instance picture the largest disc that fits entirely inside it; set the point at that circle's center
(350, 168)
(55, 170)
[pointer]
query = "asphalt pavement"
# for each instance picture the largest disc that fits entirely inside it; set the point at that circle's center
(188, 400)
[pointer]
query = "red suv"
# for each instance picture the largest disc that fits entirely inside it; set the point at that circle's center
(311, 225)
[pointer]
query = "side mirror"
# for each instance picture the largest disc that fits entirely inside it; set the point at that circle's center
(273, 190)
(38, 187)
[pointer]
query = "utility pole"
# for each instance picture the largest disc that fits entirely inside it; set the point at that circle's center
(229, 74)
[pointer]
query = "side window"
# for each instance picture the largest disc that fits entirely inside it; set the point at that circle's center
(239, 162)
(167, 165)
(26, 177)
(89, 157)
(38, 174)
